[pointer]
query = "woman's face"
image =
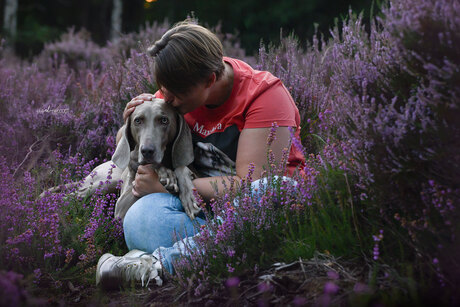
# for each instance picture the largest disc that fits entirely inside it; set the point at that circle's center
(195, 98)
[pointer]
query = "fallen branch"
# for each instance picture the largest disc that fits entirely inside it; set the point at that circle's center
(31, 150)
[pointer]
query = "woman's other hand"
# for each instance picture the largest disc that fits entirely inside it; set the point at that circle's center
(131, 106)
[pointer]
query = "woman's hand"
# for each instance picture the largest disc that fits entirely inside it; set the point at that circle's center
(147, 182)
(131, 106)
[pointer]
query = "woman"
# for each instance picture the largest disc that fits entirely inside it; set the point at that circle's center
(230, 109)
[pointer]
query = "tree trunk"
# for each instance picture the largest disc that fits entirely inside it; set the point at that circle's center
(10, 17)
(115, 29)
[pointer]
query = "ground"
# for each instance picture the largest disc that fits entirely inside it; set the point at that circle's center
(321, 280)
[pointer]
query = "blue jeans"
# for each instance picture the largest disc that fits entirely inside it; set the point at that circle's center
(157, 223)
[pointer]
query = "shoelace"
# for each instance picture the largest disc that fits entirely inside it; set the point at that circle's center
(145, 268)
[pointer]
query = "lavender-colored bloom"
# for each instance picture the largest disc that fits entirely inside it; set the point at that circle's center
(331, 288)
(265, 287)
(361, 288)
(299, 301)
(333, 275)
(232, 282)
(272, 135)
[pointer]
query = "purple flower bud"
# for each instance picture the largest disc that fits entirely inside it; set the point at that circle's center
(232, 282)
(333, 275)
(331, 288)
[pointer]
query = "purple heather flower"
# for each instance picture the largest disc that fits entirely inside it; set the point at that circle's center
(361, 288)
(230, 268)
(272, 135)
(299, 301)
(232, 282)
(265, 287)
(333, 275)
(331, 288)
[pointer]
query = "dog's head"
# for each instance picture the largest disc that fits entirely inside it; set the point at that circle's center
(149, 130)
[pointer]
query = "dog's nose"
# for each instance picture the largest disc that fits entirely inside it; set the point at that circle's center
(147, 152)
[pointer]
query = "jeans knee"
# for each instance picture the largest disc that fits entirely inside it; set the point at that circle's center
(151, 205)
(153, 221)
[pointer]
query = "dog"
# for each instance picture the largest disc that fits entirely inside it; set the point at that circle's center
(156, 134)
(153, 134)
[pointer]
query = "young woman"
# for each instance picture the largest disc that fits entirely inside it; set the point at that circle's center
(230, 108)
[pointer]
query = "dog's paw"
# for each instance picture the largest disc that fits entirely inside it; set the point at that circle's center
(190, 204)
(168, 179)
(184, 178)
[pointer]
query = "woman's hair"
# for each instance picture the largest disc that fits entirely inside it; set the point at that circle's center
(185, 56)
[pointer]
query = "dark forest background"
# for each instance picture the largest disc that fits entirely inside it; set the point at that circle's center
(43, 21)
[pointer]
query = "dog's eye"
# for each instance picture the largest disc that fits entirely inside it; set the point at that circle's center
(164, 120)
(137, 121)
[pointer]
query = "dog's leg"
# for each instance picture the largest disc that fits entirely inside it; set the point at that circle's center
(126, 200)
(102, 173)
(184, 179)
(110, 176)
(168, 179)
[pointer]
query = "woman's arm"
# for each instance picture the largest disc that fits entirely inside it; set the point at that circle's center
(252, 148)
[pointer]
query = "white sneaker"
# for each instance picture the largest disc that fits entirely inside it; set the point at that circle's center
(112, 272)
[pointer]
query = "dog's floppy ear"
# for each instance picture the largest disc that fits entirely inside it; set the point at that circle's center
(122, 153)
(182, 148)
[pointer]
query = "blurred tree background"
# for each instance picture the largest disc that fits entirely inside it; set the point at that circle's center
(45, 20)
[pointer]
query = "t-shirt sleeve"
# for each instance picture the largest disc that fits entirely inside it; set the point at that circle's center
(158, 94)
(273, 105)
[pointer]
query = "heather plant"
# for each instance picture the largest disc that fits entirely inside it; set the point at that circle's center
(284, 219)
(303, 75)
(394, 112)
(121, 47)
(391, 95)
(59, 231)
(76, 49)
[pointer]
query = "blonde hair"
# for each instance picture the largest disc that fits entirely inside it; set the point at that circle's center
(185, 56)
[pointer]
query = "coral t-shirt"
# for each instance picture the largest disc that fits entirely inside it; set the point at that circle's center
(257, 100)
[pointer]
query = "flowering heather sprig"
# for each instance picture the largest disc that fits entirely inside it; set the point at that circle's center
(377, 239)
(441, 199)
(37, 276)
(69, 255)
(441, 277)
(272, 135)
(296, 142)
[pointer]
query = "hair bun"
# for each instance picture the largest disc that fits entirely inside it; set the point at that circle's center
(161, 43)
(157, 47)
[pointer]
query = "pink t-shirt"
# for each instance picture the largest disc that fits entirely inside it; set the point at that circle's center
(257, 100)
